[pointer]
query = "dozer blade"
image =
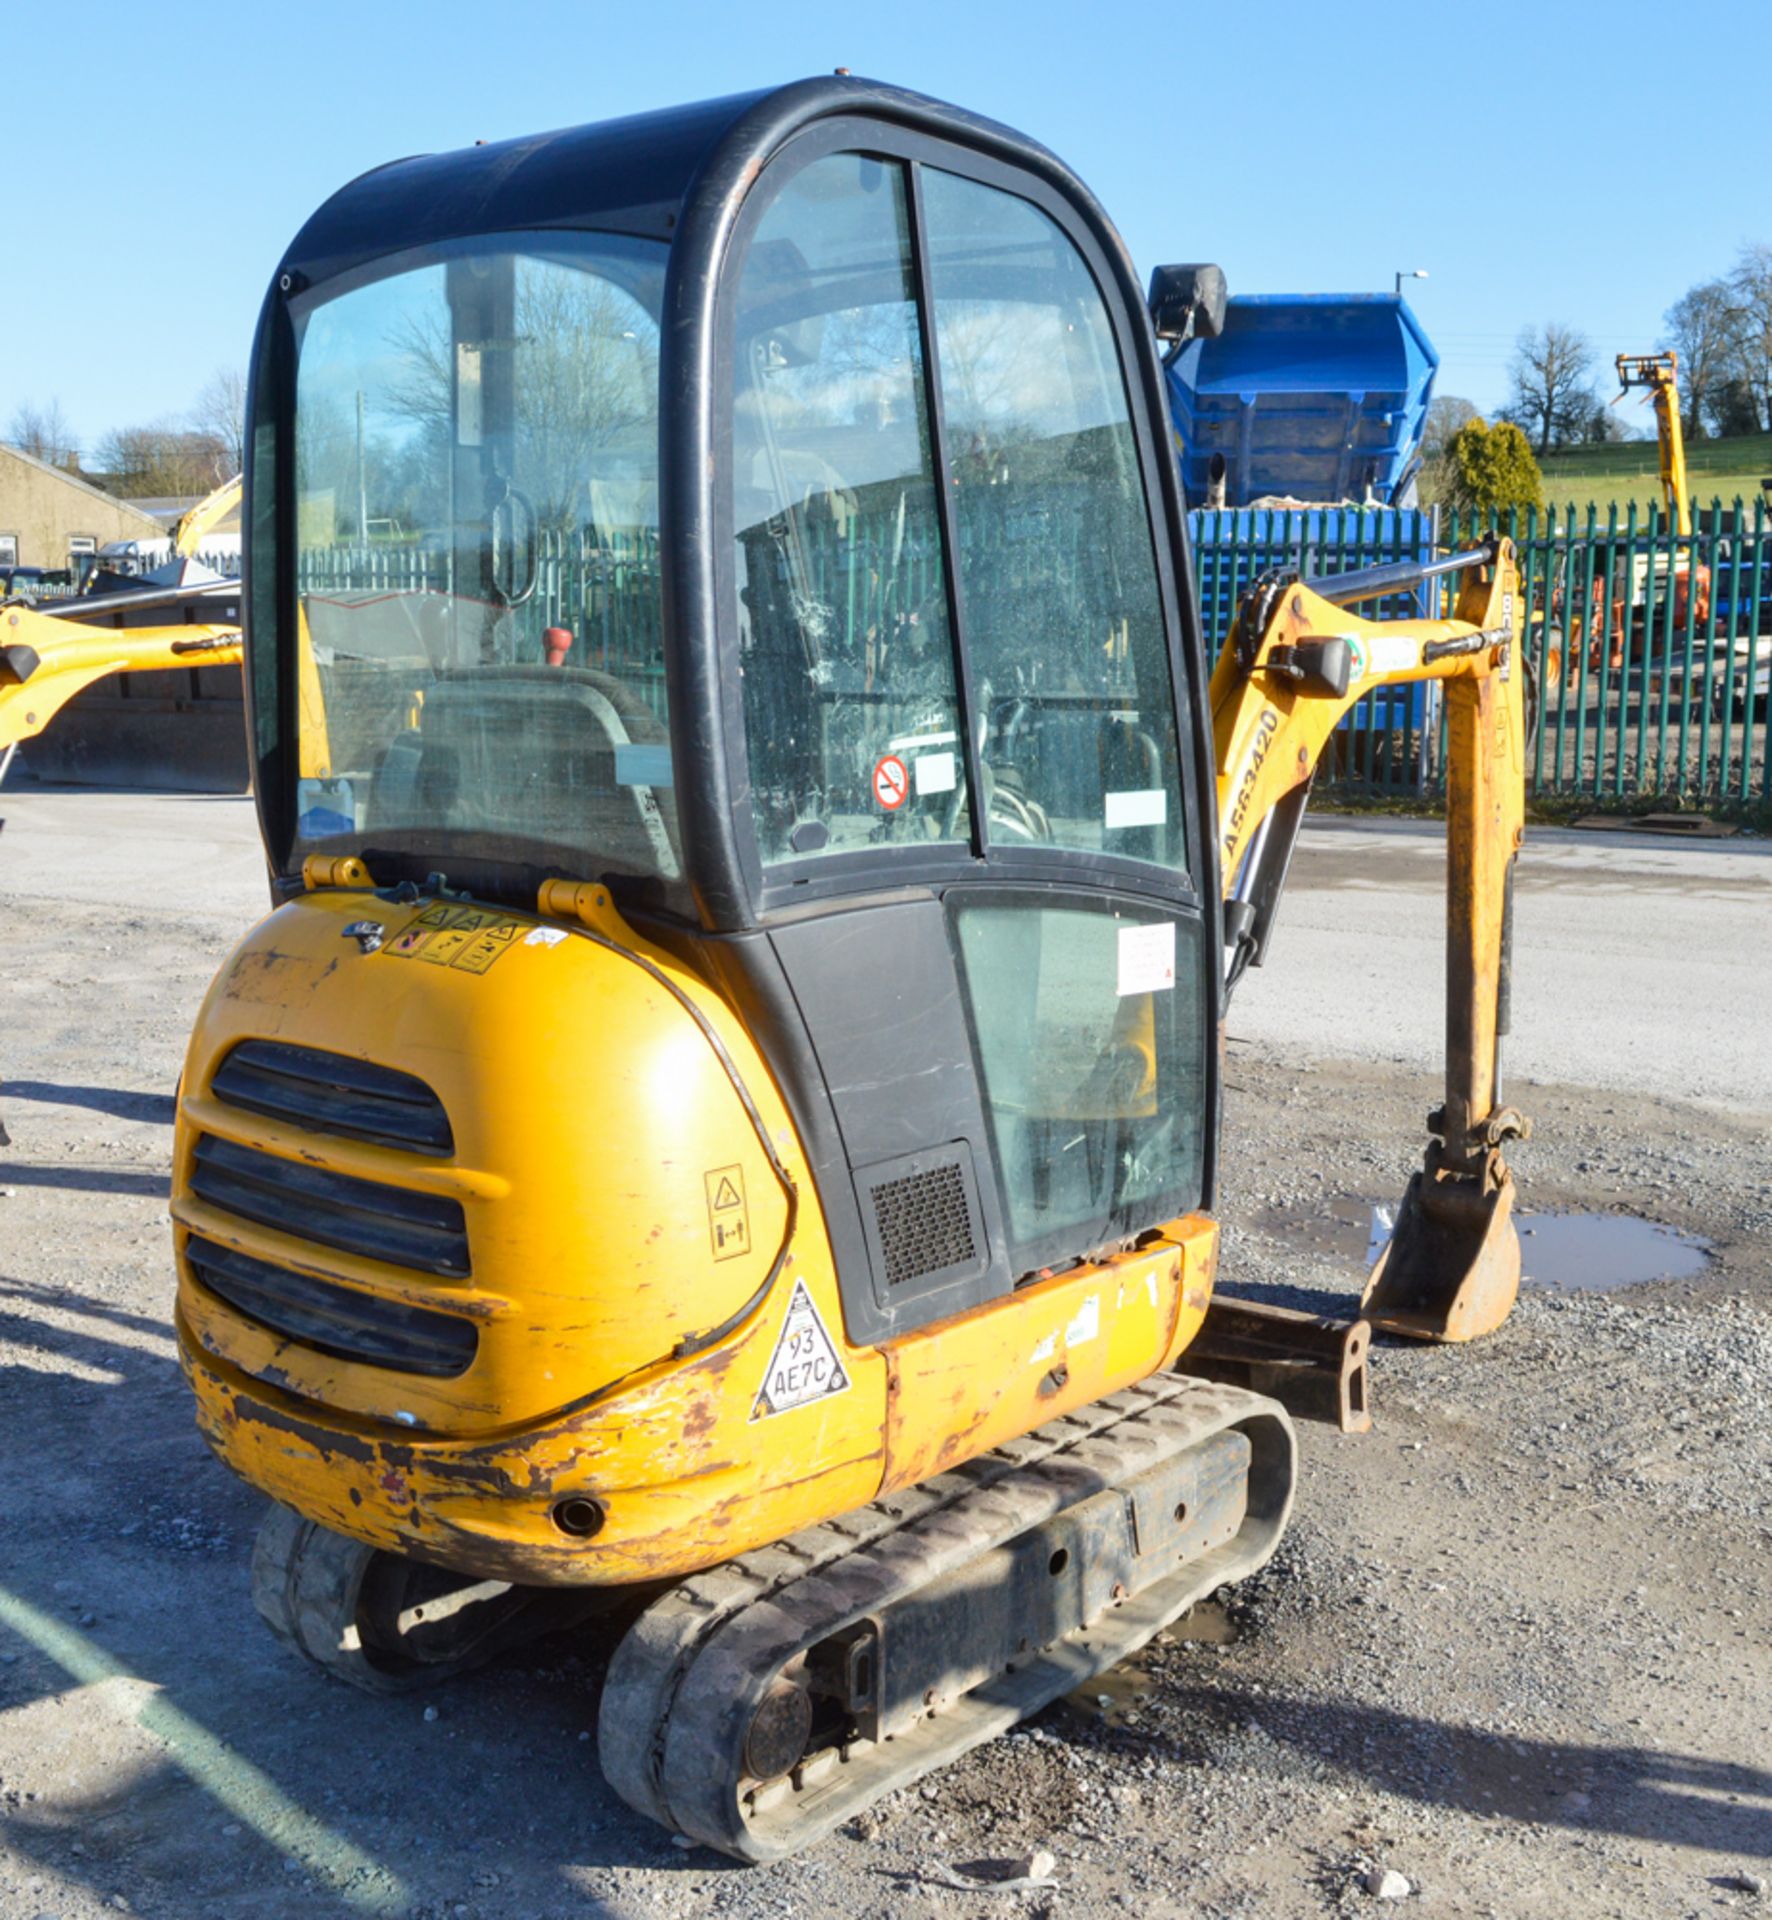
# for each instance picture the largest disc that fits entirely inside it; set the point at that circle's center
(1452, 1268)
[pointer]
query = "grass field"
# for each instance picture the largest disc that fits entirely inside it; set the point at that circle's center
(1720, 469)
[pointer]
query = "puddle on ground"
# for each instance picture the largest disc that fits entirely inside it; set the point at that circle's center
(1575, 1252)
(1114, 1698)
(1595, 1252)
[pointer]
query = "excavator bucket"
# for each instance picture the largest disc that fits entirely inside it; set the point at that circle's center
(1452, 1268)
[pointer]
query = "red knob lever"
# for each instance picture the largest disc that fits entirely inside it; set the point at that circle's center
(556, 643)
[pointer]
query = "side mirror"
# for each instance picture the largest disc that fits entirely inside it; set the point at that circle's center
(1187, 303)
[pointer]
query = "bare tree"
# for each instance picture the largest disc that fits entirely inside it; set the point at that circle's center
(1553, 398)
(162, 459)
(1700, 328)
(220, 412)
(1734, 408)
(1750, 294)
(1444, 417)
(45, 433)
(586, 381)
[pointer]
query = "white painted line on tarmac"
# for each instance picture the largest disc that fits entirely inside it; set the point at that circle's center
(248, 1793)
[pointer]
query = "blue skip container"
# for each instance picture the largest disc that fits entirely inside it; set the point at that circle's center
(1312, 396)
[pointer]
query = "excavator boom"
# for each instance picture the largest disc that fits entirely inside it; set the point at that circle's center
(205, 517)
(49, 655)
(1295, 663)
(46, 658)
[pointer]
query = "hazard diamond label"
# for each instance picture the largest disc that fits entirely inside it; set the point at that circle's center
(804, 1366)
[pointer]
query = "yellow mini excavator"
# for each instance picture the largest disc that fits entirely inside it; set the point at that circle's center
(50, 654)
(723, 1115)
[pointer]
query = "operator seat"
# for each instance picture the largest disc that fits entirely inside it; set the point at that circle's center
(547, 746)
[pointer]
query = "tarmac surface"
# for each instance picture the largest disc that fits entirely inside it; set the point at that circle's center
(1517, 1649)
(1636, 956)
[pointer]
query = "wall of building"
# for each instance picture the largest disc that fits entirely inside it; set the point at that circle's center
(43, 509)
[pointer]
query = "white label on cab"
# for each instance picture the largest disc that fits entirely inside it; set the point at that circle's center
(934, 772)
(1137, 807)
(1147, 958)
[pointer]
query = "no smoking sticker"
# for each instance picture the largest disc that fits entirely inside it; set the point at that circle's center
(892, 782)
(804, 1366)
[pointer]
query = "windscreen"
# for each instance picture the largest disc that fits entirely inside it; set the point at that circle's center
(480, 667)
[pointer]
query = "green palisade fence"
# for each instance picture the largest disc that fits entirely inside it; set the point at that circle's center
(1644, 691)
(1646, 688)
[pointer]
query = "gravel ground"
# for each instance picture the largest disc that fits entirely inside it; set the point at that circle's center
(1514, 1650)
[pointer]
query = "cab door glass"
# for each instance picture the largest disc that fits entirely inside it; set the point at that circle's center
(1058, 584)
(851, 717)
(1089, 1025)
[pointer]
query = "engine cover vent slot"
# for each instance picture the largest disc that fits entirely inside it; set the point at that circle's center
(335, 1319)
(423, 1231)
(922, 1217)
(332, 1093)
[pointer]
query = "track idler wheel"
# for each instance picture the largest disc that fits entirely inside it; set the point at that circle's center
(384, 1623)
(1451, 1270)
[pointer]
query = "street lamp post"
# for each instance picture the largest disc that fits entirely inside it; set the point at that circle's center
(1409, 273)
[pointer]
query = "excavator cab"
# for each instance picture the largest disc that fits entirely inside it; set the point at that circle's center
(794, 552)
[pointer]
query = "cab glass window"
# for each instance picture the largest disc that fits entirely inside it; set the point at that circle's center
(1058, 586)
(479, 648)
(851, 715)
(1089, 1026)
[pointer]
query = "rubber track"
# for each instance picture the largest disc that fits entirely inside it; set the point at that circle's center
(308, 1586)
(673, 1703)
(305, 1585)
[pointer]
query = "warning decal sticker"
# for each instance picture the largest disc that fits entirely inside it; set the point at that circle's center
(467, 938)
(804, 1366)
(729, 1219)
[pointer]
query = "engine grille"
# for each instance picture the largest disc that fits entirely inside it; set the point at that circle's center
(418, 1230)
(332, 1093)
(335, 1319)
(924, 1223)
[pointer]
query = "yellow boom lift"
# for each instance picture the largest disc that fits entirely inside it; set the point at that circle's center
(1659, 374)
(722, 1118)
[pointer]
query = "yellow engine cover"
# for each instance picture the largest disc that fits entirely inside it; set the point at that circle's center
(654, 1312)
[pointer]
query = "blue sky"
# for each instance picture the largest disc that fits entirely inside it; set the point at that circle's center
(1543, 161)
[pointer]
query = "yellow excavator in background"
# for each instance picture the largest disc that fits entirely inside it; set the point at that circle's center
(195, 526)
(51, 653)
(1659, 372)
(722, 1119)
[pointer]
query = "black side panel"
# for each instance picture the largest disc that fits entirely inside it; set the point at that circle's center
(879, 993)
(859, 1015)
